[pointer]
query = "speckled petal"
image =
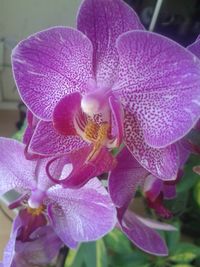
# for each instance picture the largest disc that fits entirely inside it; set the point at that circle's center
(163, 162)
(144, 237)
(15, 171)
(103, 21)
(84, 214)
(49, 65)
(47, 141)
(125, 178)
(161, 86)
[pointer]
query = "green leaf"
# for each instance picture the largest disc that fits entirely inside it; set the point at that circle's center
(181, 265)
(185, 253)
(75, 258)
(116, 241)
(101, 257)
(89, 255)
(197, 193)
(19, 135)
(189, 178)
(172, 238)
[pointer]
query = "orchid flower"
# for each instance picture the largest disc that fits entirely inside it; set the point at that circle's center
(124, 180)
(106, 83)
(76, 215)
(40, 249)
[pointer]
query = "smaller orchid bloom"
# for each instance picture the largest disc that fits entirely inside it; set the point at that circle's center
(39, 249)
(155, 191)
(78, 215)
(123, 183)
(109, 82)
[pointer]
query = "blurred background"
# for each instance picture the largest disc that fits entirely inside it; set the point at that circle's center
(177, 19)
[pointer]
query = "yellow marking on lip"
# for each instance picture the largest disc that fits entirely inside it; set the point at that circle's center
(36, 212)
(97, 134)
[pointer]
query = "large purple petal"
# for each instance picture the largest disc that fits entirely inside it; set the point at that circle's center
(83, 214)
(143, 236)
(47, 141)
(163, 163)
(103, 21)
(15, 171)
(125, 178)
(49, 65)
(161, 86)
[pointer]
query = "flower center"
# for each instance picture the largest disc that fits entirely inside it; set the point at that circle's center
(37, 211)
(97, 134)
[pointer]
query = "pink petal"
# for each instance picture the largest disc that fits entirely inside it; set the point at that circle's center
(84, 214)
(65, 112)
(163, 163)
(161, 86)
(117, 119)
(15, 171)
(143, 236)
(103, 21)
(47, 141)
(49, 65)
(125, 178)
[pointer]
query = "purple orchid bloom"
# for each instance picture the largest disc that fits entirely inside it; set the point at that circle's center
(40, 249)
(109, 82)
(123, 183)
(76, 215)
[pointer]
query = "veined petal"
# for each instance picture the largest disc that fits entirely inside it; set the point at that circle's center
(103, 21)
(163, 163)
(15, 171)
(47, 141)
(161, 87)
(125, 178)
(49, 65)
(143, 236)
(83, 214)
(65, 112)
